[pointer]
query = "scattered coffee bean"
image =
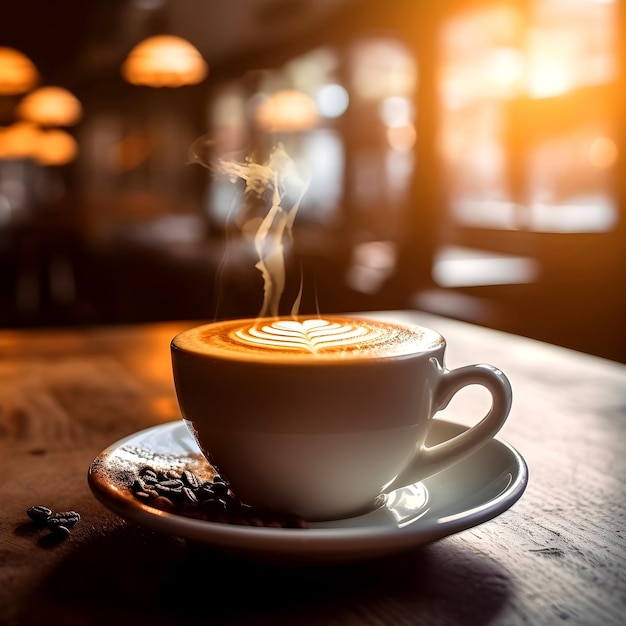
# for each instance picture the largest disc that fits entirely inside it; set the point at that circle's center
(67, 520)
(139, 485)
(190, 479)
(148, 474)
(186, 494)
(58, 524)
(205, 492)
(172, 484)
(219, 489)
(39, 514)
(190, 495)
(60, 531)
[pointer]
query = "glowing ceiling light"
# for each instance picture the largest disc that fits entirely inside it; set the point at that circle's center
(50, 106)
(55, 147)
(17, 72)
(164, 61)
(19, 141)
(25, 140)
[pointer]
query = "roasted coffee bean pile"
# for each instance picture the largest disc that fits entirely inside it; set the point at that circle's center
(57, 523)
(185, 493)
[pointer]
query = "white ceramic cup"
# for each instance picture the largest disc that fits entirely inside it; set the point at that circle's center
(318, 417)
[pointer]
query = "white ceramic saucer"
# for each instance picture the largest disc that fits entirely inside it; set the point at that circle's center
(462, 496)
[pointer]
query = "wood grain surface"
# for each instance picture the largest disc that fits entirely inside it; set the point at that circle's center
(556, 557)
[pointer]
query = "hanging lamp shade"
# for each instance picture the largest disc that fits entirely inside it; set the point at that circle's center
(50, 106)
(19, 141)
(17, 72)
(25, 140)
(164, 61)
(55, 147)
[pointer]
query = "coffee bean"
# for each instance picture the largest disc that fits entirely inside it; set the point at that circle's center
(219, 489)
(172, 484)
(139, 485)
(149, 474)
(184, 493)
(60, 531)
(68, 519)
(206, 490)
(39, 513)
(190, 495)
(190, 479)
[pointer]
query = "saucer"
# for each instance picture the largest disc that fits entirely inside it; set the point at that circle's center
(463, 495)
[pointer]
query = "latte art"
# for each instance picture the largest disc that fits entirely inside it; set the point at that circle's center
(312, 335)
(305, 339)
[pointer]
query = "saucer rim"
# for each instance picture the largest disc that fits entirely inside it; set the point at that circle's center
(322, 541)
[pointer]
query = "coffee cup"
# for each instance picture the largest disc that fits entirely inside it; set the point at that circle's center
(319, 416)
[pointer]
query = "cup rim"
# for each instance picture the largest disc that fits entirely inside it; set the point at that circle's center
(426, 342)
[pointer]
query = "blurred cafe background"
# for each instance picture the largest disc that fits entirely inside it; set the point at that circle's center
(466, 157)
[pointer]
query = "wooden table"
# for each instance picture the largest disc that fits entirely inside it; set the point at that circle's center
(557, 556)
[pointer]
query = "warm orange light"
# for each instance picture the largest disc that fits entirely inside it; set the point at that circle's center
(402, 138)
(55, 147)
(17, 72)
(603, 153)
(551, 63)
(164, 61)
(505, 69)
(287, 111)
(24, 140)
(50, 106)
(19, 141)
(381, 69)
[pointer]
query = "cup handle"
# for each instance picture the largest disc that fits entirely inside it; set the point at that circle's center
(430, 460)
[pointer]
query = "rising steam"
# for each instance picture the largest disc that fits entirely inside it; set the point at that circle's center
(272, 182)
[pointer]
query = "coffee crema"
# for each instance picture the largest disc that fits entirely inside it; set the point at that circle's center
(305, 337)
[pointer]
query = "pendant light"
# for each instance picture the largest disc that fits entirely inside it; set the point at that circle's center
(164, 61)
(19, 141)
(50, 106)
(55, 147)
(17, 72)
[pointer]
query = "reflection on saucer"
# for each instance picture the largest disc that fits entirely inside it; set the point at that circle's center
(407, 504)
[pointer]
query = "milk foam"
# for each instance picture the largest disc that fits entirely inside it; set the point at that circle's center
(312, 335)
(306, 338)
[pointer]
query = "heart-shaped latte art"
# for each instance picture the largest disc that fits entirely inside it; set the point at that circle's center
(311, 335)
